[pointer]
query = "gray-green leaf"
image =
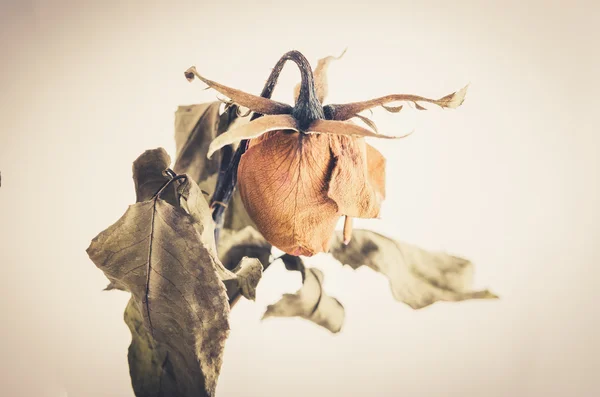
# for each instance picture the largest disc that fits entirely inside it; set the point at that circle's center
(310, 301)
(417, 277)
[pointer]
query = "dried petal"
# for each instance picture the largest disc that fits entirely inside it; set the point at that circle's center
(255, 103)
(252, 130)
(376, 170)
(346, 129)
(283, 180)
(348, 110)
(351, 184)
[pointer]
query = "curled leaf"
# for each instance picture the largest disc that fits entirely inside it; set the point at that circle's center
(309, 302)
(348, 110)
(163, 253)
(253, 129)
(255, 103)
(417, 277)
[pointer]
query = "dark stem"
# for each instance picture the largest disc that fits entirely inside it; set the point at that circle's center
(307, 109)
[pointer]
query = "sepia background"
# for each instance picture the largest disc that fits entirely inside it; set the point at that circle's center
(509, 180)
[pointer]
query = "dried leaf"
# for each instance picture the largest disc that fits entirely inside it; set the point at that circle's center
(419, 107)
(309, 302)
(234, 246)
(320, 76)
(255, 103)
(193, 135)
(346, 128)
(253, 129)
(164, 255)
(417, 277)
(195, 127)
(348, 110)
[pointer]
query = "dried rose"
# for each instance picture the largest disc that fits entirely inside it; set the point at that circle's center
(306, 166)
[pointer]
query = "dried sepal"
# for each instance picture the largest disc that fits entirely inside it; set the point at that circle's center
(253, 129)
(370, 123)
(320, 76)
(349, 110)
(255, 103)
(346, 129)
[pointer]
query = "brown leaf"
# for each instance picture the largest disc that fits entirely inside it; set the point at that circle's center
(417, 277)
(309, 302)
(164, 254)
(253, 129)
(255, 103)
(234, 246)
(193, 135)
(349, 110)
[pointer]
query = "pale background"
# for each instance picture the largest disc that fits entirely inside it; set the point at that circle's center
(509, 180)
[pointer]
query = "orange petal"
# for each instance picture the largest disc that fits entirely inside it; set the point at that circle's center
(283, 181)
(356, 192)
(376, 170)
(255, 103)
(253, 129)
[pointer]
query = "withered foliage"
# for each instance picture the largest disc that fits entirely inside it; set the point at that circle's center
(186, 261)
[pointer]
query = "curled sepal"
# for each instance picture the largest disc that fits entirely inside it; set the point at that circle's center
(255, 103)
(349, 110)
(370, 123)
(346, 128)
(253, 129)
(320, 75)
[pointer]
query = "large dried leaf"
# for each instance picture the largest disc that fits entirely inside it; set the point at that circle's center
(417, 277)
(164, 254)
(310, 301)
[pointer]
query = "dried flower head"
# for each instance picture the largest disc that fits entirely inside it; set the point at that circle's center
(305, 166)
